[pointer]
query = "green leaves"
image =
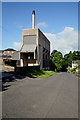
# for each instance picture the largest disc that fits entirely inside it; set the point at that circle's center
(60, 63)
(57, 60)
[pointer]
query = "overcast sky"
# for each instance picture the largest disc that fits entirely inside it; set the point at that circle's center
(57, 20)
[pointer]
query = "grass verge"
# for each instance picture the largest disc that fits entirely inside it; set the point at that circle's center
(40, 73)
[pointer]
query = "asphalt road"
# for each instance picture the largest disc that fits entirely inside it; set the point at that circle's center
(53, 97)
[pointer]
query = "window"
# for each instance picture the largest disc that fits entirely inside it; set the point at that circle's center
(29, 57)
(39, 50)
(7, 51)
(43, 56)
(46, 56)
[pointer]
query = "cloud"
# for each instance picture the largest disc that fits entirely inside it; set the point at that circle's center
(42, 24)
(17, 45)
(65, 41)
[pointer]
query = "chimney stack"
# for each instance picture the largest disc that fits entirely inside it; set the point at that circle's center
(33, 19)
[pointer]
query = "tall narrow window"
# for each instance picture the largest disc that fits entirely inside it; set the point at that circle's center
(28, 56)
(39, 51)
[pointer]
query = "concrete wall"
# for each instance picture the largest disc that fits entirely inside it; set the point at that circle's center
(28, 32)
(42, 45)
(23, 70)
(32, 33)
(29, 39)
(43, 49)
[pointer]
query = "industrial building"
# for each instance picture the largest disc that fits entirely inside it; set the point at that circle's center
(35, 50)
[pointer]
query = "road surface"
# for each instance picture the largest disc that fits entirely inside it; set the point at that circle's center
(53, 97)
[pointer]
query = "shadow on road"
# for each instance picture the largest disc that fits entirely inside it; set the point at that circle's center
(10, 77)
(5, 87)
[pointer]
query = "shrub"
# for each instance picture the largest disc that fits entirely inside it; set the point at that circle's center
(68, 69)
(73, 70)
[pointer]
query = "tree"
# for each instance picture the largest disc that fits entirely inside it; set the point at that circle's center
(75, 55)
(64, 65)
(60, 63)
(57, 60)
(52, 54)
(68, 58)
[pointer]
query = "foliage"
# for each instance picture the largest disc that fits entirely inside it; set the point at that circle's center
(79, 72)
(40, 73)
(57, 60)
(75, 55)
(52, 54)
(73, 70)
(60, 63)
(68, 58)
(78, 64)
(68, 69)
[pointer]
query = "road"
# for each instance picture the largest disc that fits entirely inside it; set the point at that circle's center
(53, 97)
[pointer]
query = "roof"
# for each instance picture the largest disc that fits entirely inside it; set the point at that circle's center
(8, 56)
(28, 48)
(9, 49)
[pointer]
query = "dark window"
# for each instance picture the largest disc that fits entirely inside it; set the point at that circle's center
(29, 57)
(46, 56)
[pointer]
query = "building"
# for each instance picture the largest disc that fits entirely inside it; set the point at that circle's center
(35, 50)
(75, 63)
(1, 53)
(8, 53)
(6, 56)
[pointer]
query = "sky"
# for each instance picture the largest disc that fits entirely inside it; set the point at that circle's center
(57, 20)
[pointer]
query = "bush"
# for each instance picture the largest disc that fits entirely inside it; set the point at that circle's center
(73, 70)
(68, 69)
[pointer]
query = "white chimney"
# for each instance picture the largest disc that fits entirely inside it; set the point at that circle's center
(33, 19)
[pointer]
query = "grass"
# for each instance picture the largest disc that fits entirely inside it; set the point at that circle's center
(40, 73)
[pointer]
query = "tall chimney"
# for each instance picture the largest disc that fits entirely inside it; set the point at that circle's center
(33, 19)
